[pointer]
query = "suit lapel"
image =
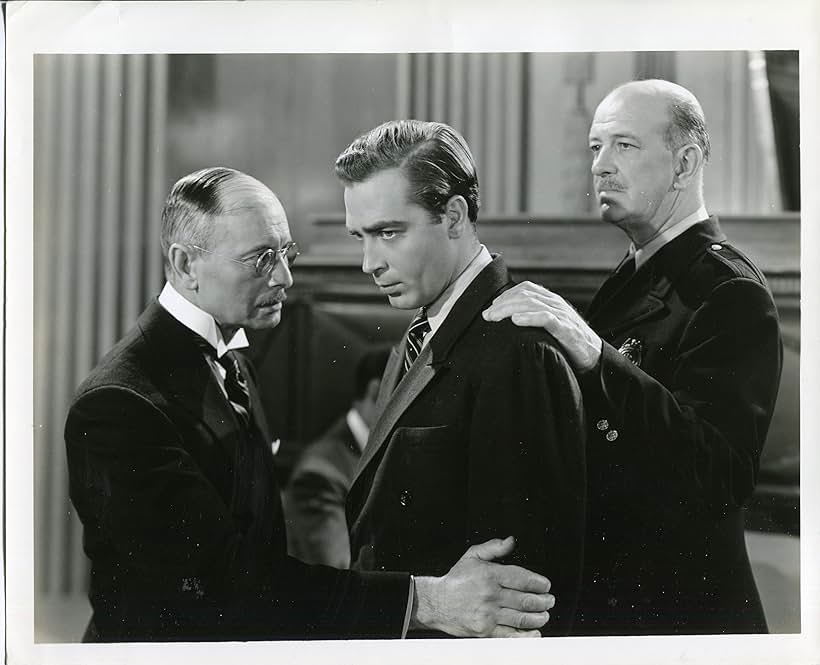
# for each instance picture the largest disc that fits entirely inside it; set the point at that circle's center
(180, 368)
(641, 297)
(418, 376)
(391, 376)
(644, 294)
(398, 396)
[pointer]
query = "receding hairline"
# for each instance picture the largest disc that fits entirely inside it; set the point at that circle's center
(243, 191)
(670, 93)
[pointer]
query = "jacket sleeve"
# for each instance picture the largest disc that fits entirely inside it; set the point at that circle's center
(527, 473)
(694, 443)
(174, 545)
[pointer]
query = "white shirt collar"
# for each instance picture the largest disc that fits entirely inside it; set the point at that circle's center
(358, 428)
(668, 234)
(199, 321)
(438, 311)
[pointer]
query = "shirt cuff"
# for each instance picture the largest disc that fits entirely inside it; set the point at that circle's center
(410, 598)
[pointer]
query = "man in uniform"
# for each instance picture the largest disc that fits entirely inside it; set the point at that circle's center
(679, 360)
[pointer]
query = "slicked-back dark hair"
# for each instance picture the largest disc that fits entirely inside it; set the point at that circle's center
(434, 157)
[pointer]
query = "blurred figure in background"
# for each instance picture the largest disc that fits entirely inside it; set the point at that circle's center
(314, 501)
(679, 364)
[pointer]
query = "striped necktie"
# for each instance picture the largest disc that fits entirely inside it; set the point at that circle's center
(415, 338)
(236, 387)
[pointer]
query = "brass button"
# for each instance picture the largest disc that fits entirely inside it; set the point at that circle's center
(717, 247)
(602, 424)
(404, 498)
(611, 435)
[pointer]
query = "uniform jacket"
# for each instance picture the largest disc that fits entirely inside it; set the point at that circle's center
(482, 438)
(316, 495)
(181, 512)
(677, 422)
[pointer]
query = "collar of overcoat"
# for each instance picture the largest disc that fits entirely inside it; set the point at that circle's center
(644, 293)
(397, 393)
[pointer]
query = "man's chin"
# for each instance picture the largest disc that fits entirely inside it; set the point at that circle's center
(265, 322)
(402, 301)
(610, 212)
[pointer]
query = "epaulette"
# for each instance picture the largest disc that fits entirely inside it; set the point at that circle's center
(734, 260)
(719, 263)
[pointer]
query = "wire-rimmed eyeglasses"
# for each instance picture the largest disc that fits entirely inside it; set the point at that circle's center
(266, 261)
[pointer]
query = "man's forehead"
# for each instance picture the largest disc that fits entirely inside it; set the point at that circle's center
(632, 110)
(253, 223)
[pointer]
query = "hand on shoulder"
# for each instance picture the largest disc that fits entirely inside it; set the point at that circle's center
(531, 305)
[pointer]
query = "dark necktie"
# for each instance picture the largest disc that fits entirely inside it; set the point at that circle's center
(415, 338)
(253, 505)
(236, 387)
(613, 284)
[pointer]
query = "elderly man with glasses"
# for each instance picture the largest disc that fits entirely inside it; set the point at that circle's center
(171, 469)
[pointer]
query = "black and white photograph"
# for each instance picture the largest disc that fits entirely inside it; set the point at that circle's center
(355, 331)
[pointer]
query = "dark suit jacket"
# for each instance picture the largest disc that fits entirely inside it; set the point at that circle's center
(180, 550)
(666, 550)
(482, 438)
(316, 495)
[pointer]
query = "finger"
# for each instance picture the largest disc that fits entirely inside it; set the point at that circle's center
(526, 602)
(499, 311)
(492, 549)
(506, 631)
(521, 297)
(521, 287)
(522, 620)
(545, 320)
(520, 579)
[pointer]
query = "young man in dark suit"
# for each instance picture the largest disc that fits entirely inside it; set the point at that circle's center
(171, 469)
(463, 446)
(315, 498)
(679, 360)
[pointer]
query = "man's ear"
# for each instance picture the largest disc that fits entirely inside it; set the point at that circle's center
(182, 266)
(688, 162)
(456, 216)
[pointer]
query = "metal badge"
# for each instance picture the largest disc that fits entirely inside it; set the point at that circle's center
(633, 350)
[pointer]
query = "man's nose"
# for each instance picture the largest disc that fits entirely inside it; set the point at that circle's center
(372, 262)
(602, 163)
(281, 275)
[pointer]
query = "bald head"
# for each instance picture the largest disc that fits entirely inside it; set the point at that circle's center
(649, 143)
(684, 115)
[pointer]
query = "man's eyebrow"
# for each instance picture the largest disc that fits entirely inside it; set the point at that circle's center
(383, 224)
(258, 249)
(615, 136)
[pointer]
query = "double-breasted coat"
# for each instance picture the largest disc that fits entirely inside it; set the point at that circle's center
(677, 422)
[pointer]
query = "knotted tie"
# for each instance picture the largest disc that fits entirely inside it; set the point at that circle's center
(252, 501)
(415, 338)
(236, 387)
